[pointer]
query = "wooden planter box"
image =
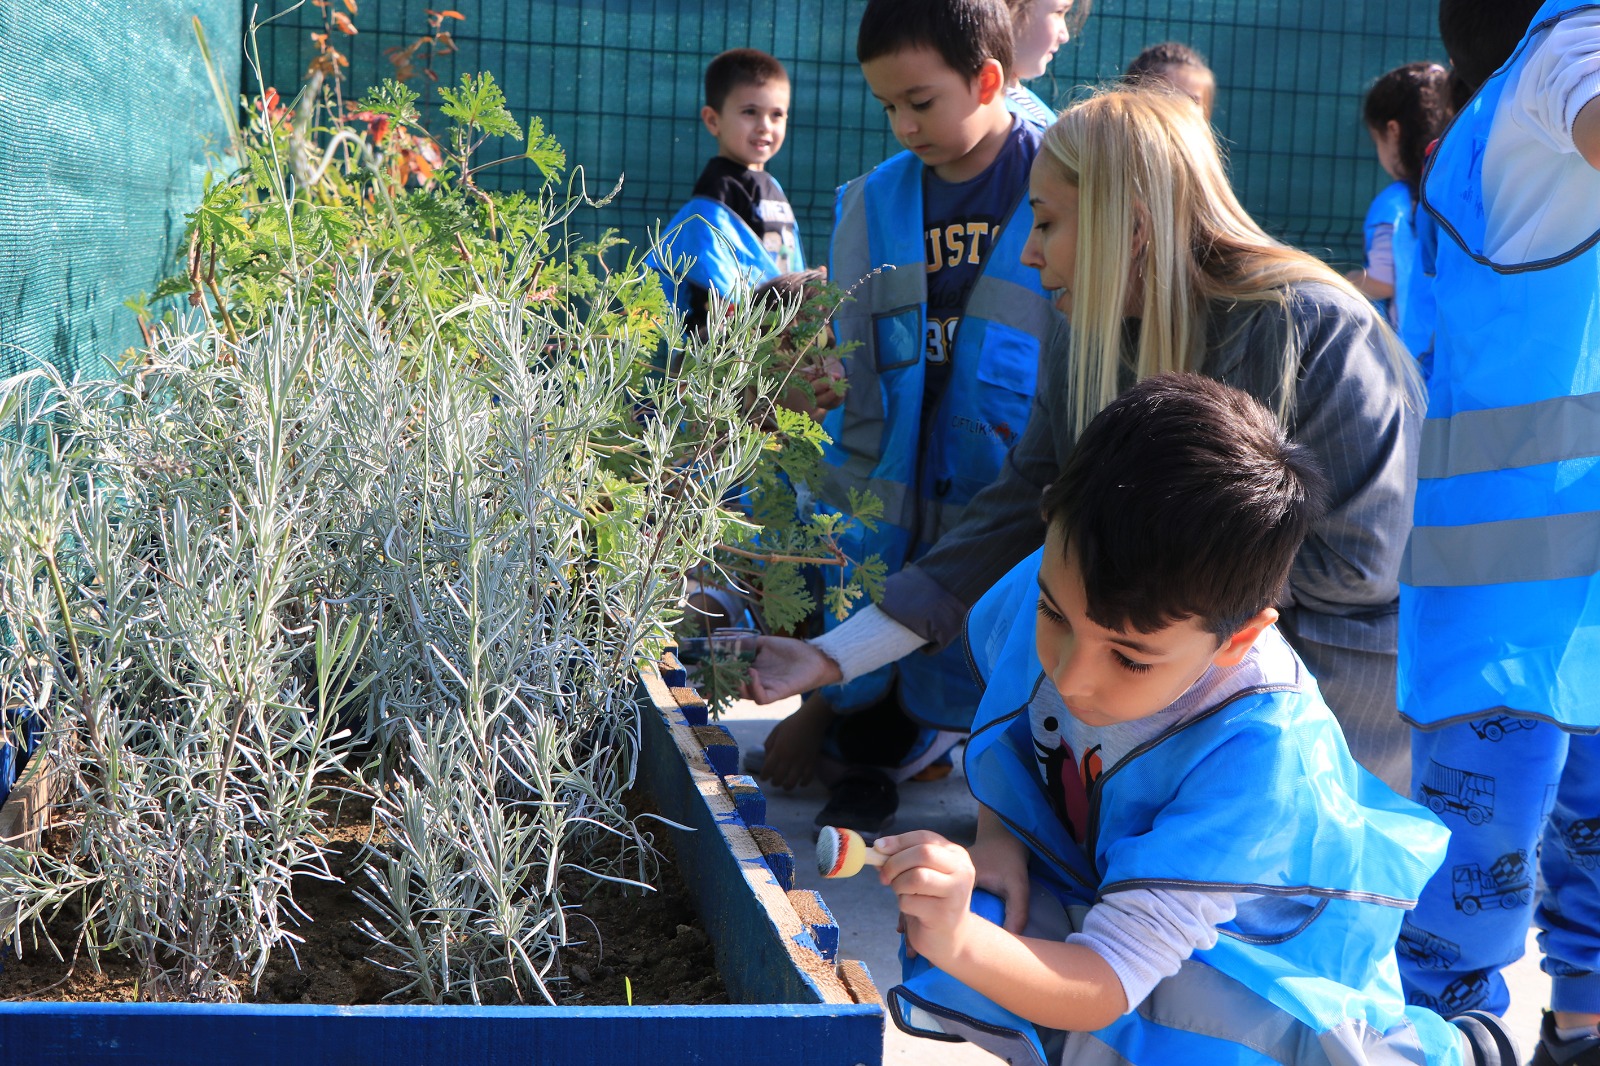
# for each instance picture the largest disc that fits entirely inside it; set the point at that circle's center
(795, 1003)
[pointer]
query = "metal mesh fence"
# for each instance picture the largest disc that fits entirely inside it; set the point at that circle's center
(105, 117)
(619, 83)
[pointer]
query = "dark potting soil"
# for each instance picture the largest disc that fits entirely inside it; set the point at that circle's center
(651, 941)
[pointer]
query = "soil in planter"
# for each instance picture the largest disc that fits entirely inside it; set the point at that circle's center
(652, 939)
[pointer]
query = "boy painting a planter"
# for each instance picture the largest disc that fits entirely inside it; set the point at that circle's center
(1177, 858)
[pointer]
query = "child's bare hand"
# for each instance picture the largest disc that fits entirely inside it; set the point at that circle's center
(794, 743)
(821, 396)
(822, 380)
(932, 879)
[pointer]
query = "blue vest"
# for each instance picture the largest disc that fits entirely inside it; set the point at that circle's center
(1500, 587)
(877, 432)
(708, 245)
(1392, 207)
(1412, 302)
(1259, 795)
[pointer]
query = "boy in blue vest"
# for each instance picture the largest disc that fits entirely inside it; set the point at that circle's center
(942, 378)
(1499, 631)
(1177, 860)
(738, 227)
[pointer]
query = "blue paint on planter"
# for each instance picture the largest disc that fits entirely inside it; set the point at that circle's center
(748, 799)
(124, 1034)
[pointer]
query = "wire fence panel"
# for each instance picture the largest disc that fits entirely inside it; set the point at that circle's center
(105, 117)
(108, 113)
(1290, 78)
(619, 84)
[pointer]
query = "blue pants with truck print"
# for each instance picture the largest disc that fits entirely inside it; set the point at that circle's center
(1522, 800)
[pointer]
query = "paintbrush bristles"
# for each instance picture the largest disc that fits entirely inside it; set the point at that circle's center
(842, 853)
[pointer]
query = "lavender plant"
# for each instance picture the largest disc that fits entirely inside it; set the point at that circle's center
(395, 506)
(225, 568)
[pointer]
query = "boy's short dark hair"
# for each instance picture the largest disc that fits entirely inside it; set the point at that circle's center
(1184, 499)
(736, 67)
(965, 33)
(1480, 35)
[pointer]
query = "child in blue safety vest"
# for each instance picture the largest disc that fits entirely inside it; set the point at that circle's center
(1499, 625)
(947, 325)
(738, 228)
(1177, 860)
(1404, 112)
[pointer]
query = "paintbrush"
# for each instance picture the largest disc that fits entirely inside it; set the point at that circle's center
(842, 853)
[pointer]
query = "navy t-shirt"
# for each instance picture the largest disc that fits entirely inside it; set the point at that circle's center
(959, 224)
(757, 198)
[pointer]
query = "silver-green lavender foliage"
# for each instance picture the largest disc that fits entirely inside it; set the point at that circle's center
(344, 550)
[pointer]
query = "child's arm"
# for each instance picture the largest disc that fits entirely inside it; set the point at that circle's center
(1049, 982)
(1586, 132)
(1002, 859)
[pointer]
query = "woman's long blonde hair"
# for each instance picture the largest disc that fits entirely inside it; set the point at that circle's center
(1149, 176)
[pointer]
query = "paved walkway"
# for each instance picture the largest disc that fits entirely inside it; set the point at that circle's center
(866, 912)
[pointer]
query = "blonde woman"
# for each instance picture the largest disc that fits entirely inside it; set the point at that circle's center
(1157, 267)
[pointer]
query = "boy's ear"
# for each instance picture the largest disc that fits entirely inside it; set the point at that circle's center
(991, 81)
(711, 118)
(1235, 648)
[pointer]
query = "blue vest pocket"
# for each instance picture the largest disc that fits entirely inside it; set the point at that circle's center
(897, 338)
(1009, 370)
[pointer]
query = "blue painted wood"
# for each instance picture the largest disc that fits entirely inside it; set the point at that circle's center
(748, 798)
(672, 671)
(752, 955)
(722, 751)
(123, 1034)
(824, 932)
(779, 1018)
(780, 862)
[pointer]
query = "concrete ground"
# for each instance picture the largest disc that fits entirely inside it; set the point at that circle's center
(866, 912)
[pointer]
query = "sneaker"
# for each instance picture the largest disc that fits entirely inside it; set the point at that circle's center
(1491, 1042)
(864, 798)
(1554, 1051)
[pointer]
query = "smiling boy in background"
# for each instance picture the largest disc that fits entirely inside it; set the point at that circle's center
(738, 227)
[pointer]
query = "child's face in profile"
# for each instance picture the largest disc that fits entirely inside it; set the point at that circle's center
(934, 110)
(1037, 34)
(750, 127)
(1106, 676)
(1386, 141)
